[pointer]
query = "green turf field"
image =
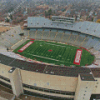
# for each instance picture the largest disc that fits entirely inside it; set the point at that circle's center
(61, 54)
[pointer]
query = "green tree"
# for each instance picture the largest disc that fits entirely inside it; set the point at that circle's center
(11, 17)
(46, 13)
(7, 20)
(50, 12)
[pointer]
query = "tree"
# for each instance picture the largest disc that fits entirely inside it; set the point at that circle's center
(11, 17)
(48, 13)
(7, 20)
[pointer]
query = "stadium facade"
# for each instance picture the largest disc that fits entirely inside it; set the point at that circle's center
(51, 81)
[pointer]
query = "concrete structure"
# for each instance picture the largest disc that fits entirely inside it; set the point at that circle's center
(6, 96)
(16, 82)
(49, 81)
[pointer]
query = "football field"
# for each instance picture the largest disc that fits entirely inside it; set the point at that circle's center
(54, 53)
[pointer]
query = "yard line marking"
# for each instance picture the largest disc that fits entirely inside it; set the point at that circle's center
(55, 44)
(43, 57)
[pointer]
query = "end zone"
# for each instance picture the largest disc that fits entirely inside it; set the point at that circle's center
(26, 46)
(77, 59)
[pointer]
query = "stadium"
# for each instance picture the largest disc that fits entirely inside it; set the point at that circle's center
(56, 59)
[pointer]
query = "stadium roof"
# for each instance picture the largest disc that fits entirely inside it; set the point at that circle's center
(87, 77)
(86, 27)
(42, 68)
(96, 72)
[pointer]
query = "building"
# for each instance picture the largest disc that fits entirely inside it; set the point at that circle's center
(50, 81)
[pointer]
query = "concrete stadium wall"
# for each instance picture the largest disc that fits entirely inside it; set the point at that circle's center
(84, 89)
(50, 94)
(49, 81)
(63, 83)
(96, 89)
(42, 80)
(16, 82)
(6, 96)
(4, 70)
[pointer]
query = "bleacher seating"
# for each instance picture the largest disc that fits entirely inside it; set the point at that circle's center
(12, 36)
(85, 41)
(32, 33)
(39, 34)
(45, 34)
(59, 36)
(25, 32)
(69, 37)
(94, 41)
(80, 39)
(73, 38)
(5, 43)
(52, 35)
(66, 36)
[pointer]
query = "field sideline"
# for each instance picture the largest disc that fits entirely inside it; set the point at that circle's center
(54, 53)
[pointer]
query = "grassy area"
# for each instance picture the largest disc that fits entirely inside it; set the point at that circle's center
(61, 54)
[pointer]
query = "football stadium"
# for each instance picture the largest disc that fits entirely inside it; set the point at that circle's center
(57, 59)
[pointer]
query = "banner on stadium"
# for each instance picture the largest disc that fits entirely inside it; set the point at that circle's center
(26, 46)
(77, 59)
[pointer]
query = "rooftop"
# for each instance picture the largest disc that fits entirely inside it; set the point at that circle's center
(87, 77)
(96, 72)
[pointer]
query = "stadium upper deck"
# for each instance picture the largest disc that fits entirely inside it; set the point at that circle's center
(86, 27)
